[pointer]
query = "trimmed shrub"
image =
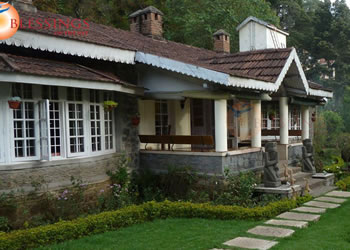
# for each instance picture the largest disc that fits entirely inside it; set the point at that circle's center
(108, 221)
(337, 167)
(344, 184)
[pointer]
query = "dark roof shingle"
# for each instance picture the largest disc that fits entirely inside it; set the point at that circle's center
(53, 68)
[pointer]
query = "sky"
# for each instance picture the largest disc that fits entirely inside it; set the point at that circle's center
(347, 2)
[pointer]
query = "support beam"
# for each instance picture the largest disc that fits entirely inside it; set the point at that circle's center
(256, 126)
(306, 122)
(284, 120)
(220, 125)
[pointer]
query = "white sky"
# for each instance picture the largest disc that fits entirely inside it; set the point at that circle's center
(347, 2)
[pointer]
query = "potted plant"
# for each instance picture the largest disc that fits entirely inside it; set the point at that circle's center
(313, 117)
(272, 115)
(109, 105)
(15, 102)
(135, 120)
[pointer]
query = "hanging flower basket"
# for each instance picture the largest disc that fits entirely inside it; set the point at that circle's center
(135, 120)
(15, 102)
(272, 115)
(109, 105)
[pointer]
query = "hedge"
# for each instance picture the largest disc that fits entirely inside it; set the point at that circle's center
(337, 166)
(108, 221)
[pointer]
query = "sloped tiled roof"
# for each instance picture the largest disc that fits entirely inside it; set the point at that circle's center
(263, 65)
(314, 85)
(53, 68)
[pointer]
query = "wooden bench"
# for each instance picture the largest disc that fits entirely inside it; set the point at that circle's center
(177, 139)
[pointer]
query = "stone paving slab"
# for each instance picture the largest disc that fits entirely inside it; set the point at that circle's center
(251, 243)
(330, 199)
(316, 210)
(299, 216)
(321, 204)
(271, 231)
(289, 223)
(339, 194)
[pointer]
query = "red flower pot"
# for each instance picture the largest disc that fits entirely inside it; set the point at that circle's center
(135, 121)
(14, 104)
(272, 117)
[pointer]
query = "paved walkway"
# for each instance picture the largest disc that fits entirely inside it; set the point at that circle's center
(295, 219)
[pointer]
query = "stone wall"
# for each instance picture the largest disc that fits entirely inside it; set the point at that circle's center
(203, 162)
(295, 153)
(57, 174)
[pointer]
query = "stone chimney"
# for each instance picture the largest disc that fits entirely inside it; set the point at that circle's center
(255, 34)
(221, 41)
(148, 21)
(25, 5)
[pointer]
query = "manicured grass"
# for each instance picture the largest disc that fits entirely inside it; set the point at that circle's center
(331, 232)
(164, 234)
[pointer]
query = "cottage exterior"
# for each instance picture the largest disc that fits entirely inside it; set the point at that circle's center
(63, 76)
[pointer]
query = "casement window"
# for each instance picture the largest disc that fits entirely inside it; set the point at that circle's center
(25, 118)
(295, 118)
(162, 117)
(53, 108)
(108, 125)
(268, 110)
(95, 121)
(75, 120)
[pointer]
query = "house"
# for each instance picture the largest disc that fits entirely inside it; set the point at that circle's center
(63, 69)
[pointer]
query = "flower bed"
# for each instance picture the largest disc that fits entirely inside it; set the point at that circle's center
(108, 221)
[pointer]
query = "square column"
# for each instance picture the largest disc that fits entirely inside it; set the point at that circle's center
(256, 126)
(220, 125)
(284, 129)
(305, 113)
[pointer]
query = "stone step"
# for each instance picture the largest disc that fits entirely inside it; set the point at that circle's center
(339, 194)
(251, 243)
(313, 183)
(299, 216)
(271, 231)
(321, 204)
(322, 190)
(315, 210)
(330, 199)
(288, 223)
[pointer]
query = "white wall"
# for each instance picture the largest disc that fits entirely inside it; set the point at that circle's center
(254, 36)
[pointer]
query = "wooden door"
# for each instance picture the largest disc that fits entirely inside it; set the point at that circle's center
(202, 120)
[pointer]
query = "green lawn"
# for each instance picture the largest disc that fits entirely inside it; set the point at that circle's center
(331, 232)
(164, 234)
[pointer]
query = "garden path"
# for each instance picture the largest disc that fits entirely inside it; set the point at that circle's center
(285, 224)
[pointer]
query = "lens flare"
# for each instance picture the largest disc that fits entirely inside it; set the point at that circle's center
(9, 20)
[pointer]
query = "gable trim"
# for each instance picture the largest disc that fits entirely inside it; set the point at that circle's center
(292, 57)
(71, 47)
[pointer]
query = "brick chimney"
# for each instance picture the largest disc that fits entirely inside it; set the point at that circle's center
(148, 22)
(25, 5)
(221, 41)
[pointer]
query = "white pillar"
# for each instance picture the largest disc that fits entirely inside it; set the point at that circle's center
(256, 126)
(284, 130)
(220, 125)
(305, 119)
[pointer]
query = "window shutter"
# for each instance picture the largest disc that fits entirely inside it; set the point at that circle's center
(45, 130)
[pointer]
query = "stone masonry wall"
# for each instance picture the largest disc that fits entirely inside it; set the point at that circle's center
(295, 154)
(210, 164)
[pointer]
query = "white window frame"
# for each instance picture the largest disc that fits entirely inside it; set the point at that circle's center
(36, 131)
(85, 135)
(110, 150)
(297, 126)
(161, 114)
(62, 130)
(95, 120)
(265, 116)
(2, 131)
